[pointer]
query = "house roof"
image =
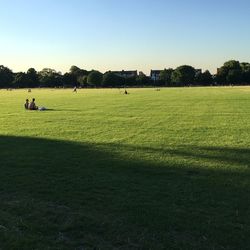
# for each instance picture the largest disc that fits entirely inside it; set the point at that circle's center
(155, 72)
(125, 72)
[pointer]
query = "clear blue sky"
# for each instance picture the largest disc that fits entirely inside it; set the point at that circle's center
(116, 34)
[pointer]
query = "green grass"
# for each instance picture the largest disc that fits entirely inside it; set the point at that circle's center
(165, 169)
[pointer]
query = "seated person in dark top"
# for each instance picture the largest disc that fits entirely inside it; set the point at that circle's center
(26, 104)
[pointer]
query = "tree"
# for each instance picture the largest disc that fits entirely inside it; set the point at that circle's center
(50, 78)
(166, 76)
(245, 68)
(230, 73)
(128, 81)
(142, 79)
(77, 74)
(234, 76)
(6, 77)
(82, 80)
(69, 80)
(207, 78)
(32, 78)
(221, 77)
(111, 80)
(183, 75)
(20, 80)
(74, 70)
(95, 78)
(232, 64)
(204, 79)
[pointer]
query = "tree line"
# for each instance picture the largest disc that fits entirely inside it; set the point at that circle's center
(231, 73)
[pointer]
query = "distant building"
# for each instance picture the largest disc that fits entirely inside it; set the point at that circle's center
(155, 75)
(126, 74)
(141, 73)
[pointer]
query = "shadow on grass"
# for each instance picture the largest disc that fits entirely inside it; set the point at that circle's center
(67, 195)
(64, 110)
(43, 110)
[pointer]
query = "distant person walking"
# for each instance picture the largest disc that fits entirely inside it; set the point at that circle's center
(75, 89)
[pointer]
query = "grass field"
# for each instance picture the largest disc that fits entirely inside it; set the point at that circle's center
(165, 169)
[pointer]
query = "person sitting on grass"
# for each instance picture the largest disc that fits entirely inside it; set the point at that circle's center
(32, 105)
(26, 104)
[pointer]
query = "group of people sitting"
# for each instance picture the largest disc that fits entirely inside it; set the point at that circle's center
(32, 105)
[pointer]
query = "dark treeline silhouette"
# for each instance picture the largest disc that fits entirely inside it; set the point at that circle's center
(231, 73)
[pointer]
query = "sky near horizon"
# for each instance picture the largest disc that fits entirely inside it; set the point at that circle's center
(115, 35)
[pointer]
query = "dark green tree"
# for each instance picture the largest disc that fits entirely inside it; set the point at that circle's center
(183, 75)
(111, 80)
(74, 70)
(77, 75)
(95, 78)
(50, 78)
(234, 76)
(20, 80)
(221, 76)
(245, 68)
(232, 64)
(82, 80)
(166, 76)
(69, 80)
(229, 73)
(142, 80)
(6, 77)
(207, 78)
(204, 79)
(32, 78)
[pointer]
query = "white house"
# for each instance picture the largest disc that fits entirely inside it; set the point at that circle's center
(155, 75)
(126, 74)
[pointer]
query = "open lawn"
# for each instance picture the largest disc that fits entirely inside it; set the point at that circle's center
(165, 169)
